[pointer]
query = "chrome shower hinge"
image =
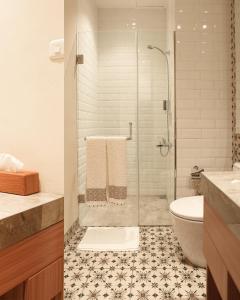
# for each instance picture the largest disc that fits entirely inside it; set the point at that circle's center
(80, 59)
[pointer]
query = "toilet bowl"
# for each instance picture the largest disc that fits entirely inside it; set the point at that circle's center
(187, 218)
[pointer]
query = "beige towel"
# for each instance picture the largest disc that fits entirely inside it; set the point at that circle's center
(117, 169)
(96, 171)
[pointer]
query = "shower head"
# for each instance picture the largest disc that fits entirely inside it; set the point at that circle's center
(154, 47)
(150, 47)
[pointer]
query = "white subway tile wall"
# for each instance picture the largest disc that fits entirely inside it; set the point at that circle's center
(86, 83)
(107, 88)
(117, 85)
(203, 93)
(117, 90)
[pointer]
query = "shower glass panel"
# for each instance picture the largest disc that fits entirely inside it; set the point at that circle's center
(107, 103)
(153, 128)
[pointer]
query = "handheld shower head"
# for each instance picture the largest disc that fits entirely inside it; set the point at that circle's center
(154, 47)
(150, 47)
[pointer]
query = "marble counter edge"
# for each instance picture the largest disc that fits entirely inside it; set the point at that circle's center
(23, 224)
(223, 204)
(206, 179)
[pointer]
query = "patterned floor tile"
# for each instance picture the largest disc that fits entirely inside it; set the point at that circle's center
(114, 259)
(157, 271)
(79, 259)
(163, 284)
(108, 284)
(158, 260)
(75, 282)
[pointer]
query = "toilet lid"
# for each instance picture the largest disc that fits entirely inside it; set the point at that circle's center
(190, 208)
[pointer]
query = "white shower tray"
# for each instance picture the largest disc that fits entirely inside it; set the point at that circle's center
(110, 239)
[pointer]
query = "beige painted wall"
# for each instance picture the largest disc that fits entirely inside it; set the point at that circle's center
(71, 204)
(31, 88)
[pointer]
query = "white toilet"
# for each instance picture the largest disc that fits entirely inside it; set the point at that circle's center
(187, 218)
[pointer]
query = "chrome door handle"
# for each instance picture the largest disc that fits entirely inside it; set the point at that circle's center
(129, 138)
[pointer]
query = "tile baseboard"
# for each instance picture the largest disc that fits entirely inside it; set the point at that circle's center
(70, 233)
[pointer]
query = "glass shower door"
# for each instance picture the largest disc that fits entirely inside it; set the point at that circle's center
(107, 103)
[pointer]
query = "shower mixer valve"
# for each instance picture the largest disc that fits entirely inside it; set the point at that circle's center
(164, 143)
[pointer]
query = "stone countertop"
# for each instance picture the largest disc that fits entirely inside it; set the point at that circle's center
(227, 182)
(23, 216)
(222, 190)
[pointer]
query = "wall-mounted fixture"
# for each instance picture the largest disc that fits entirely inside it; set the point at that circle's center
(56, 49)
(196, 172)
(196, 179)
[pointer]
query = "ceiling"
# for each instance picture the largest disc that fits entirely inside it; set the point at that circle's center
(130, 3)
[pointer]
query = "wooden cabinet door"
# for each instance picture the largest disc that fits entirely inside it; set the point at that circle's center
(15, 294)
(47, 284)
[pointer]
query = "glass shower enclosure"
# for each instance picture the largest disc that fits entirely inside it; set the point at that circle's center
(126, 88)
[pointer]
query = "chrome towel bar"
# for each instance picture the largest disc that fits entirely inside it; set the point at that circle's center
(129, 138)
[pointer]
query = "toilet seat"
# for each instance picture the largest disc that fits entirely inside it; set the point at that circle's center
(189, 208)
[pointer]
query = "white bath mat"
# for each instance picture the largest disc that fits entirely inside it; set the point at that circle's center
(110, 239)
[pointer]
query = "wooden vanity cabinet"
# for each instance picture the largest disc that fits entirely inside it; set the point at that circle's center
(46, 284)
(33, 268)
(16, 293)
(222, 250)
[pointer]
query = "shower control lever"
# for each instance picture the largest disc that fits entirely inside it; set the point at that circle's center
(163, 143)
